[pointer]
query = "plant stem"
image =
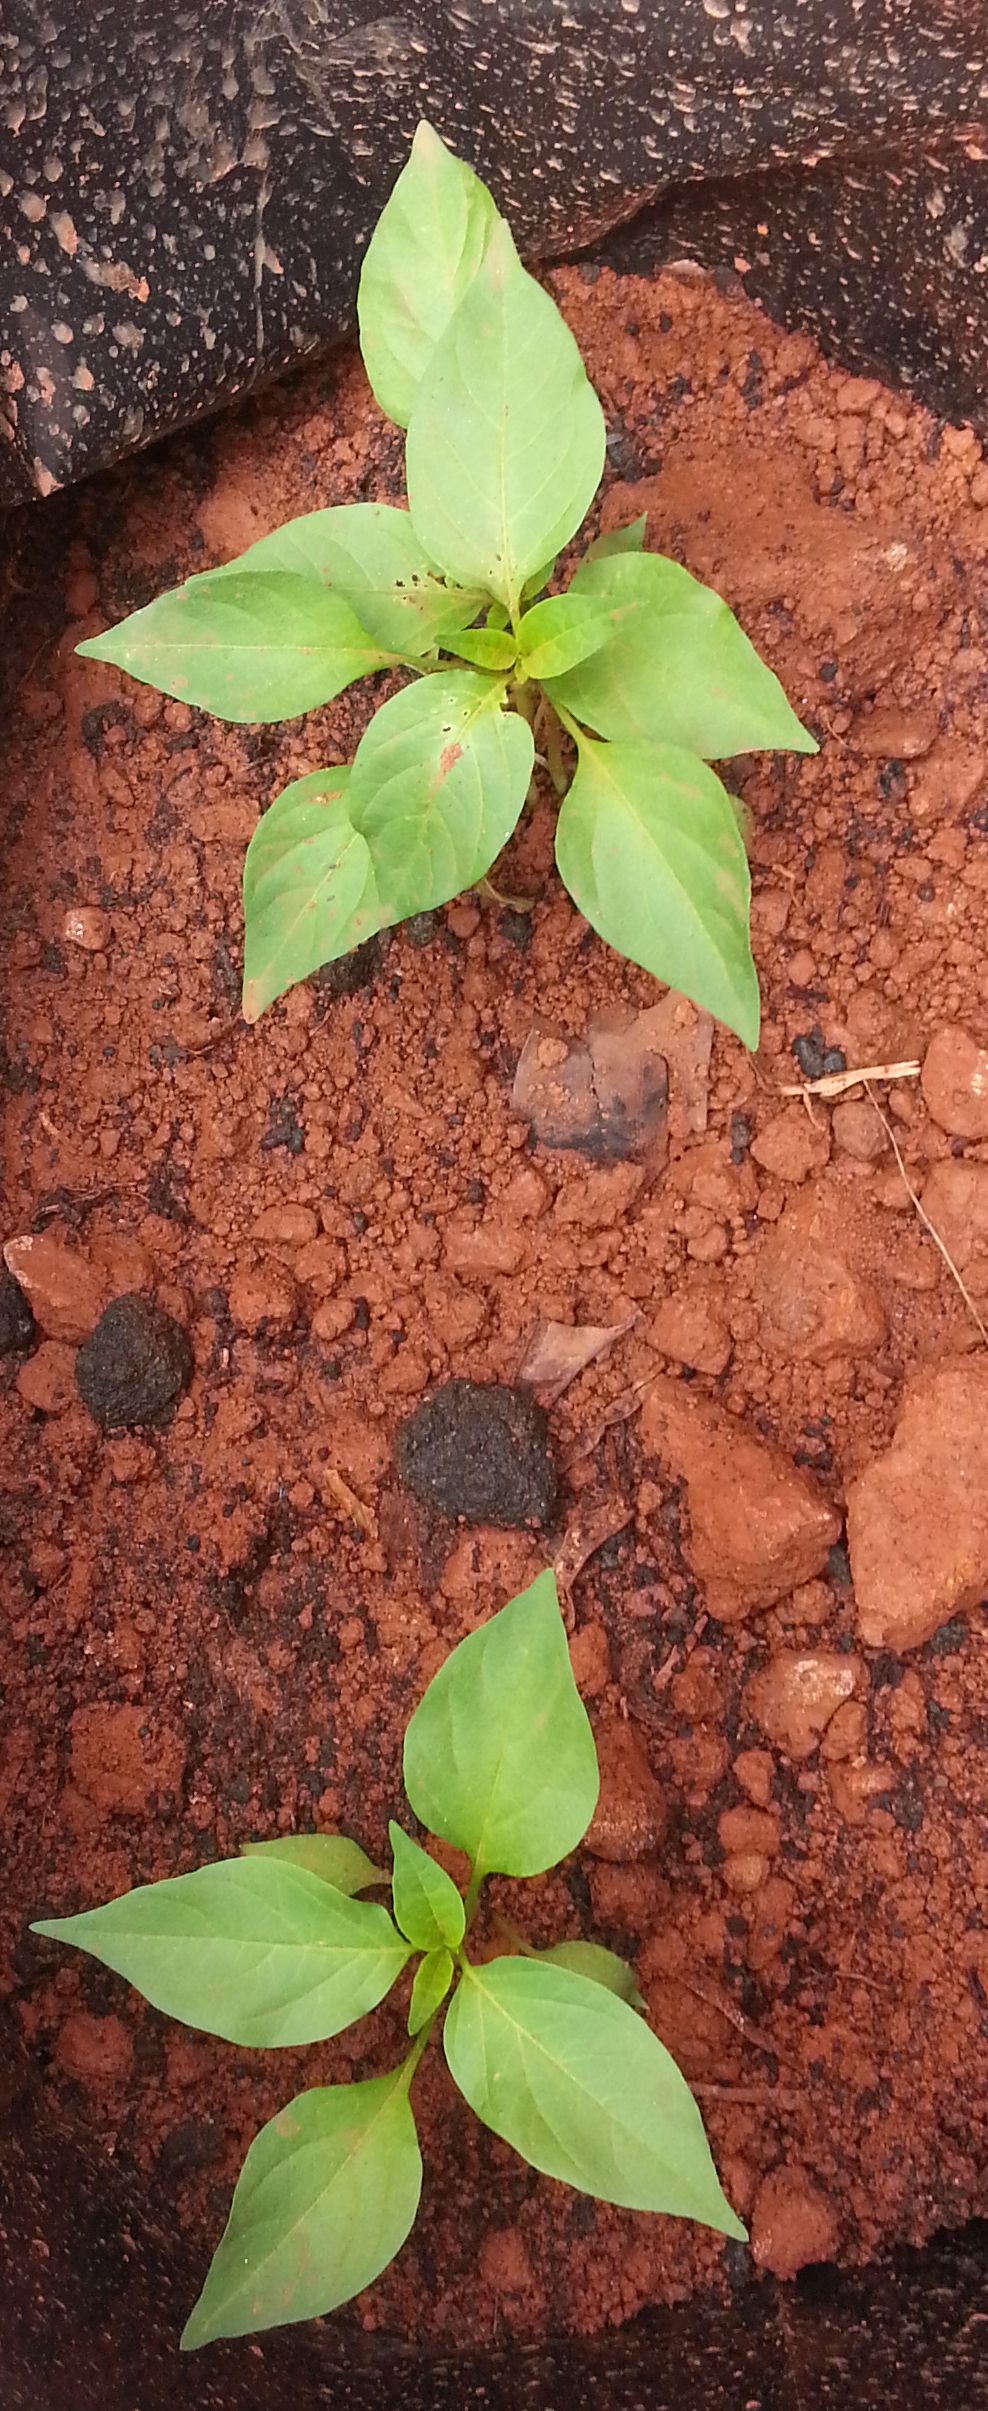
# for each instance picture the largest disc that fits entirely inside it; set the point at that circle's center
(472, 1896)
(572, 727)
(418, 2047)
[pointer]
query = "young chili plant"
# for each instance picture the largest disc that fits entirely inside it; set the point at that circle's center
(547, 2046)
(626, 686)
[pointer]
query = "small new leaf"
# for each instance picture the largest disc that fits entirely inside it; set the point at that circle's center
(332, 1856)
(433, 1977)
(567, 2074)
(438, 783)
(558, 633)
(421, 259)
(250, 646)
(309, 888)
(427, 1905)
(489, 648)
(326, 2197)
(599, 1965)
(499, 1755)
(677, 670)
(506, 438)
(649, 846)
(251, 1949)
(630, 539)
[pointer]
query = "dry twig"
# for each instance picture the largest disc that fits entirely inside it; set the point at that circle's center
(938, 1242)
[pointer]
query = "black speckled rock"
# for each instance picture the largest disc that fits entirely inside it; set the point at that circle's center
(18, 1329)
(481, 1451)
(134, 1367)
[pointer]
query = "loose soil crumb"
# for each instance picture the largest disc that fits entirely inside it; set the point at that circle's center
(216, 1632)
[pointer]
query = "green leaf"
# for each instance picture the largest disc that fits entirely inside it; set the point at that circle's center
(422, 256)
(326, 2197)
(438, 783)
(428, 1907)
(250, 1949)
(580, 2086)
(332, 1856)
(558, 633)
(506, 439)
(600, 1966)
(648, 844)
(630, 539)
(538, 579)
(369, 553)
(489, 648)
(251, 647)
(499, 1755)
(309, 890)
(677, 670)
(433, 1977)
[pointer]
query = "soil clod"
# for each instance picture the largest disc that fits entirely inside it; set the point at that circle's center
(135, 1365)
(481, 1451)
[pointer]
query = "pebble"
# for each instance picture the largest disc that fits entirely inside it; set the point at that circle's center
(262, 1297)
(814, 1305)
(954, 1082)
(47, 1381)
(754, 1771)
(289, 1225)
(794, 1697)
(856, 1129)
(917, 1518)
(688, 1329)
(746, 1828)
(794, 2224)
(86, 928)
(483, 1250)
(631, 1817)
(791, 1146)
(758, 1524)
(321, 1264)
(66, 1292)
(95, 2051)
(955, 1196)
(771, 1922)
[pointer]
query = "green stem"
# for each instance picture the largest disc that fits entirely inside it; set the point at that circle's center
(472, 1896)
(578, 734)
(418, 2047)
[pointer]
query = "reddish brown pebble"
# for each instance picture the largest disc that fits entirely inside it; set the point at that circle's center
(917, 1518)
(83, 926)
(954, 1081)
(794, 1697)
(793, 2224)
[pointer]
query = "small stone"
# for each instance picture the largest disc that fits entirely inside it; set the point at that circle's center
(119, 1758)
(745, 1871)
(954, 1081)
(504, 2262)
(754, 1770)
(631, 1817)
(135, 1365)
(602, 1200)
(590, 1658)
(480, 1450)
(856, 1129)
(96, 2052)
(847, 1733)
(791, 1146)
(917, 1519)
(483, 1250)
(793, 2223)
(688, 1329)
(758, 1524)
(18, 1330)
(47, 1381)
(263, 1298)
(744, 1829)
(332, 1317)
(289, 1225)
(794, 1697)
(86, 928)
(65, 1291)
(814, 1305)
(955, 1197)
(321, 1264)
(771, 1922)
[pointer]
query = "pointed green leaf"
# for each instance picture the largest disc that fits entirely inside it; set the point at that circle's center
(433, 1978)
(422, 256)
(559, 632)
(309, 890)
(580, 2086)
(247, 647)
(678, 670)
(599, 1965)
(506, 439)
(488, 648)
(538, 579)
(326, 2197)
(499, 1755)
(330, 1855)
(369, 553)
(438, 783)
(648, 844)
(630, 539)
(250, 1949)
(428, 1907)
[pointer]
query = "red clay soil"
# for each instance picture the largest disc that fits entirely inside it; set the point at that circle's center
(217, 1631)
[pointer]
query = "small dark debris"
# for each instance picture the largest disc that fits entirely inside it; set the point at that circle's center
(828, 672)
(284, 1128)
(480, 1450)
(134, 1366)
(516, 927)
(741, 1137)
(815, 1058)
(420, 928)
(18, 1329)
(351, 972)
